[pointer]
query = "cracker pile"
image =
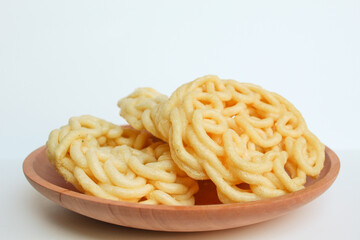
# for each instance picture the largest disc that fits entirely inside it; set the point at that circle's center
(251, 143)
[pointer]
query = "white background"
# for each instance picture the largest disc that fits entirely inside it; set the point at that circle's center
(67, 58)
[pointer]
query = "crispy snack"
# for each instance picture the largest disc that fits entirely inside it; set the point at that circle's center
(250, 142)
(118, 163)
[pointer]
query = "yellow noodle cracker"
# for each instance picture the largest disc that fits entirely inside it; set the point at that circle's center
(236, 134)
(118, 163)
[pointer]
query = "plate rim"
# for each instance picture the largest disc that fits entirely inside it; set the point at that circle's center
(327, 179)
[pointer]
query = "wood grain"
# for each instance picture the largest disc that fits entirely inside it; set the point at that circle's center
(207, 215)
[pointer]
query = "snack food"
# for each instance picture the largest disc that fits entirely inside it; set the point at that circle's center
(250, 142)
(118, 163)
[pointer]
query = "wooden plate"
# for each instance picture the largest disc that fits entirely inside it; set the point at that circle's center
(207, 215)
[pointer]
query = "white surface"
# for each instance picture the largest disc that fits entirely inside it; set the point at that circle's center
(65, 58)
(334, 215)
